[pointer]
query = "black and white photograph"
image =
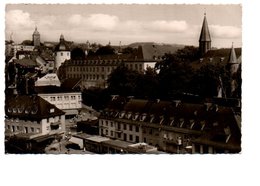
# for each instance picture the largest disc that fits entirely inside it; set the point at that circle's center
(123, 79)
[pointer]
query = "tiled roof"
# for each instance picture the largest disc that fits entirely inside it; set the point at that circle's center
(51, 89)
(70, 83)
(30, 108)
(25, 62)
(218, 56)
(191, 116)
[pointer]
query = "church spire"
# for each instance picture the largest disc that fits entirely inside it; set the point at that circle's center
(205, 39)
(232, 56)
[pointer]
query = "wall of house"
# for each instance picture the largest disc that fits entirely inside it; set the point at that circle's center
(70, 100)
(46, 124)
(23, 126)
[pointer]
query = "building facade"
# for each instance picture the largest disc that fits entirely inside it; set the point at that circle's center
(32, 116)
(94, 72)
(169, 126)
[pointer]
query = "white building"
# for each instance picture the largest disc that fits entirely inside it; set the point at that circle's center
(32, 116)
(62, 52)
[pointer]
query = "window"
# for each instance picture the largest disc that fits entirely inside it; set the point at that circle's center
(48, 120)
(73, 97)
(111, 133)
(38, 130)
(119, 126)
(124, 126)
(130, 127)
(106, 132)
(119, 135)
(102, 69)
(17, 128)
(66, 98)
(59, 98)
(145, 140)
(131, 137)
(61, 53)
(151, 131)
(52, 98)
(111, 124)
(125, 137)
(136, 128)
(68, 54)
(137, 139)
(32, 129)
(101, 132)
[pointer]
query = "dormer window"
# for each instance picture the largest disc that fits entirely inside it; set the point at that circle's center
(52, 110)
(161, 119)
(129, 115)
(9, 110)
(172, 121)
(192, 123)
(121, 115)
(203, 123)
(135, 116)
(20, 109)
(181, 122)
(152, 118)
(14, 110)
(143, 117)
(116, 114)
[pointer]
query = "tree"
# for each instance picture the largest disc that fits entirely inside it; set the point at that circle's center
(208, 78)
(123, 81)
(77, 53)
(27, 42)
(105, 50)
(174, 77)
(147, 85)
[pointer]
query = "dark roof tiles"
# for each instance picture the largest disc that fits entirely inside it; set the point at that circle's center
(30, 108)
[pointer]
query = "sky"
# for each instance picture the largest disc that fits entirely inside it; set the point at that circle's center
(165, 23)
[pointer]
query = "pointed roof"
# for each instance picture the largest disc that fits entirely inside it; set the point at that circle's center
(204, 34)
(36, 31)
(232, 56)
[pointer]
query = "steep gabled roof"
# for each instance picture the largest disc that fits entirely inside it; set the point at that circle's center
(232, 56)
(204, 34)
(26, 62)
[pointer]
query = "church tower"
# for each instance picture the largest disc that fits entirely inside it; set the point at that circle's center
(62, 52)
(233, 66)
(205, 40)
(36, 38)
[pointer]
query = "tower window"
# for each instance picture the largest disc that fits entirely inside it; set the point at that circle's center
(61, 53)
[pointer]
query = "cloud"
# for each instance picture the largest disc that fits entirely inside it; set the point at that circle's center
(167, 26)
(18, 19)
(96, 22)
(219, 31)
(75, 19)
